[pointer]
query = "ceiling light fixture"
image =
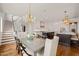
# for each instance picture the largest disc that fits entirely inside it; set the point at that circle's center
(66, 19)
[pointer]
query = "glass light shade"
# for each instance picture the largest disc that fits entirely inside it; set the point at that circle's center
(66, 20)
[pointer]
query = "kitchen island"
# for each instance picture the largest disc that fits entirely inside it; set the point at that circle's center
(66, 39)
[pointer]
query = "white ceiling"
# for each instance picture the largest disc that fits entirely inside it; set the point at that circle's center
(46, 11)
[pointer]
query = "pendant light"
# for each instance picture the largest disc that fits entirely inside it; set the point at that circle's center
(29, 14)
(66, 20)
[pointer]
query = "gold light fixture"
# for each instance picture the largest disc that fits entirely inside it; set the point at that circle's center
(66, 20)
(29, 14)
(30, 19)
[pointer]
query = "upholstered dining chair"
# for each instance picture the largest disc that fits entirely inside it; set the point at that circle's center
(17, 28)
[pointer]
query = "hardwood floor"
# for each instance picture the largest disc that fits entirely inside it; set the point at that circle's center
(10, 50)
(67, 51)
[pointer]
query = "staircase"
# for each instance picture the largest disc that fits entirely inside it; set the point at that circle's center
(7, 37)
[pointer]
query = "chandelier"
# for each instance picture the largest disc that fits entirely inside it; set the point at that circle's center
(66, 19)
(29, 16)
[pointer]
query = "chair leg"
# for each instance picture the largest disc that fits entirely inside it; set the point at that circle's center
(20, 52)
(35, 53)
(27, 52)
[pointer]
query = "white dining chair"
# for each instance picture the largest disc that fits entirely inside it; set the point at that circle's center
(51, 46)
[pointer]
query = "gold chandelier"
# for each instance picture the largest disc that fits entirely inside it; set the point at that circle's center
(66, 19)
(29, 16)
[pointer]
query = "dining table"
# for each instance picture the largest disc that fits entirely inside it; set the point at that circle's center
(34, 44)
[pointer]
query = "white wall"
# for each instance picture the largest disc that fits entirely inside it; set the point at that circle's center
(1, 27)
(1, 7)
(1, 24)
(1, 19)
(8, 25)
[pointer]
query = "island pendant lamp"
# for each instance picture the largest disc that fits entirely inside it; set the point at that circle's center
(66, 19)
